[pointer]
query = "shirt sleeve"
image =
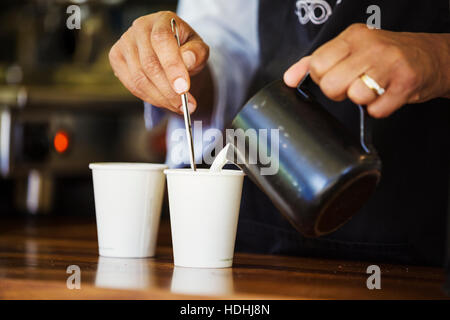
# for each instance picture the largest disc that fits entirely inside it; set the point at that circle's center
(230, 28)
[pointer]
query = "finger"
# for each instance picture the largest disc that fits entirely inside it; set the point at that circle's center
(121, 71)
(195, 54)
(138, 81)
(192, 104)
(327, 56)
(297, 72)
(394, 98)
(337, 80)
(360, 93)
(168, 52)
(153, 70)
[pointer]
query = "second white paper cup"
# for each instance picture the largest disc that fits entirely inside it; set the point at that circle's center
(204, 211)
(128, 199)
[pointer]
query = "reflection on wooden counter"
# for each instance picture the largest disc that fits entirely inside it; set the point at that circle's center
(35, 255)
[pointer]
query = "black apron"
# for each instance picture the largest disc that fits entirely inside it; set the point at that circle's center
(405, 220)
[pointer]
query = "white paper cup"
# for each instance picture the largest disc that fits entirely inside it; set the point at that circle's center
(204, 211)
(128, 199)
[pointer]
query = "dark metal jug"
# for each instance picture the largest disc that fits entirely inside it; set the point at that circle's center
(325, 174)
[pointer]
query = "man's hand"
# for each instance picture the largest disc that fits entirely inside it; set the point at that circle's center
(149, 63)
(411, 67)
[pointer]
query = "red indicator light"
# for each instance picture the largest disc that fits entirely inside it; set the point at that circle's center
(61, 141)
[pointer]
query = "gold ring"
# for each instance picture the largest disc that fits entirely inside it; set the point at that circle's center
(372, 84)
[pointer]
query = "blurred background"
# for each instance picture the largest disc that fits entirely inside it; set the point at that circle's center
(61, 106)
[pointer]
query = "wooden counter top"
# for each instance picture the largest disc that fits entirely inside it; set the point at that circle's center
(35, 253)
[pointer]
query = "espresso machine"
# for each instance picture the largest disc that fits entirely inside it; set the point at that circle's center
(61, 107)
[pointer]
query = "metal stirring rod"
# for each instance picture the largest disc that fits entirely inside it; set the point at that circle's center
(184, 101)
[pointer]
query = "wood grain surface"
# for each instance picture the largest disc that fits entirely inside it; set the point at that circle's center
(35, 254)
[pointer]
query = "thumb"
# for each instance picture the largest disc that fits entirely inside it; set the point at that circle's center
(296, 72)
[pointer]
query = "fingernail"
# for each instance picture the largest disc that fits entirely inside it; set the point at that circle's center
(191, 107)
(180, 85)
(188, 58)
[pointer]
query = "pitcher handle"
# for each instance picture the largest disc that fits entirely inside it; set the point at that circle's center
(365, 130)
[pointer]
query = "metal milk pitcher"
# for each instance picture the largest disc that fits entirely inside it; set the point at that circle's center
(324, 173)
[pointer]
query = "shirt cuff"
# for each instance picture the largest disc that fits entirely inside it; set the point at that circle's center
(153, 115)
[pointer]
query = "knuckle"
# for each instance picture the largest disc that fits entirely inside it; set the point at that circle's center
(397, 87)
(139, 79)
(151, 65)
(317, 65)
(166, 13)
(161, 35)
(139, 22)
(333, 95)
(204, 52)
(356, 28)
(396, 53)
(412, 78)
(353, 95)
(416, 97)
(377, 113)
(175, 103)
(378, 49)
(408, 82)
(330, 87)
(356, 96)
(126, 36)
(113, 54)
(133, 88)
(171, 96)
(172, 67)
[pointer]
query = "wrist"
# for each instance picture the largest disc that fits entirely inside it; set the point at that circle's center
(442, 49)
